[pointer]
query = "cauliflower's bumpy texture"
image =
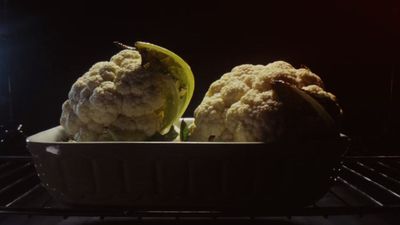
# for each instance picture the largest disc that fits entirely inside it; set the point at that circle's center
(242, 106)
(116, 100)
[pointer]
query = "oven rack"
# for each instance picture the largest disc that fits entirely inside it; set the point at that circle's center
(365, 185)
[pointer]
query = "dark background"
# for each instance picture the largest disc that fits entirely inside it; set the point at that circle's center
(352, 45)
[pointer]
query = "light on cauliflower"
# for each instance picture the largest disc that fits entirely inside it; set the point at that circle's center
(137, 94)
(243, 105)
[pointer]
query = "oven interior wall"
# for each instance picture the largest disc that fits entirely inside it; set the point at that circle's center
(352, 45)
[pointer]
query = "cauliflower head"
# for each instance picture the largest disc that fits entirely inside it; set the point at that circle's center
(243, 105)
(126, 98)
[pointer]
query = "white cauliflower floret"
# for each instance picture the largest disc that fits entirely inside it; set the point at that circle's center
(116, 100)
(242, 105)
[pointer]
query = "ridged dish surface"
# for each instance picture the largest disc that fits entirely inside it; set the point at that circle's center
(182, 174)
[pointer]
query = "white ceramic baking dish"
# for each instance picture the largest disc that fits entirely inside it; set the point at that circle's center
(184, 174)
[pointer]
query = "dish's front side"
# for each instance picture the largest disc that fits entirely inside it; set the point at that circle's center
(178, 174)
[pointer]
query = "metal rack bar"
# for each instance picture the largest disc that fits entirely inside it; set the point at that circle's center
(380, 173)
(339, 197)
(15, 170)
(331, 211)
(367, 196)
(16, 157)
(23, 196)
(372, 182)
(18, 181)
(395, 170)
(373, 158)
